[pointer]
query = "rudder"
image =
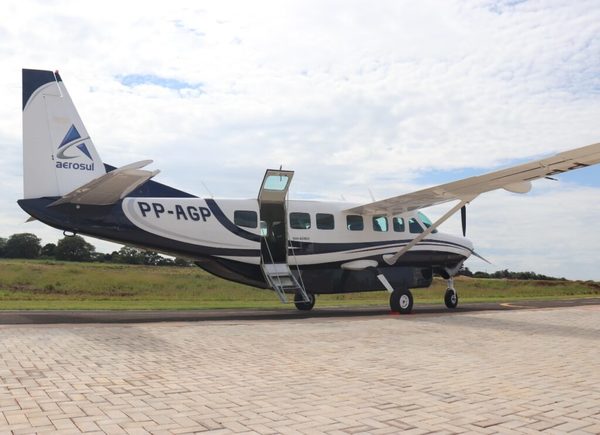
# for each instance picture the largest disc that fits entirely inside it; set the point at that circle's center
(58, 153)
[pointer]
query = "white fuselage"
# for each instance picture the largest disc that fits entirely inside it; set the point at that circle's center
(193, 220)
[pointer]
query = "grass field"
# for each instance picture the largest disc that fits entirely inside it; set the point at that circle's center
(38, 284)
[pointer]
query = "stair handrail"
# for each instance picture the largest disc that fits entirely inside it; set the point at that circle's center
(279, 290)
(301, 283)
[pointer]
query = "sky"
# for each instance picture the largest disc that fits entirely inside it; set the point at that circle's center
(355, 96)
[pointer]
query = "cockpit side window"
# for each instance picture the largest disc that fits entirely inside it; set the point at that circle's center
(414, 226)
(425, 221)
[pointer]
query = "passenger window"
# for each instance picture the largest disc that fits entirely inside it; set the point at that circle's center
(245, 218)
(300, 221)
(325, 221)
(414, 226)
(354, 222)
(380, 223)
(398, 223)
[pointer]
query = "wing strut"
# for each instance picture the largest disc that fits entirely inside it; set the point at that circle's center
(392, 258)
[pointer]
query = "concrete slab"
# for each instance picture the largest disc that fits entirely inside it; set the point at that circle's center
(517, 371)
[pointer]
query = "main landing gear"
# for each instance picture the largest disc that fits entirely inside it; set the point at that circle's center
(401, 301)
(451, 296)
(301, 304)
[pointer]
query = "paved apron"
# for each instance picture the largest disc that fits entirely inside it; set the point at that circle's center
(487, 372)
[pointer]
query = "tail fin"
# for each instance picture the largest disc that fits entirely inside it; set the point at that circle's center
(58, 154)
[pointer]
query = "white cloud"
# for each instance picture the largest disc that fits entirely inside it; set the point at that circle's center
(351, 95)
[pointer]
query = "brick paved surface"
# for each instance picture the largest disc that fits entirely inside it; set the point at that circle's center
(501, 372)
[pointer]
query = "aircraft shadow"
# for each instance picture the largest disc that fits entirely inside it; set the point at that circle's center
(78, 317)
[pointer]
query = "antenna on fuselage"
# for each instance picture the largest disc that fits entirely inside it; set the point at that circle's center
(371, 193)
(207, 189)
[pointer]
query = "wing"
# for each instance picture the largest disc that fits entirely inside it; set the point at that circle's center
(110, 187)
(515, 179)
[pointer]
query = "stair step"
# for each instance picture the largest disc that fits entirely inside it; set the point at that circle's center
(282, 280)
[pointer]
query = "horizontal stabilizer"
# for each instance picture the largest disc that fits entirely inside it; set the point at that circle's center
(110, 187)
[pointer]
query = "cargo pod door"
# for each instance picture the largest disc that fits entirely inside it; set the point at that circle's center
(273, 223)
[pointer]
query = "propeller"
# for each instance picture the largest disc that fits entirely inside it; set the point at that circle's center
(463, 220)
(481, 258)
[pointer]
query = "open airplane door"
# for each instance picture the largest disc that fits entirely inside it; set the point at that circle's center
(271, 201)
(274, 239)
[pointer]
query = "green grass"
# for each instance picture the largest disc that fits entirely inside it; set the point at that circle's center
(38, 284)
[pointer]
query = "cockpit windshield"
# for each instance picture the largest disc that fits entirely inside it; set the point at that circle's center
(425, 220)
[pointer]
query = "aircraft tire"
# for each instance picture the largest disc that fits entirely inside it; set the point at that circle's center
(304, 306)
(401, 301)
(451, 298)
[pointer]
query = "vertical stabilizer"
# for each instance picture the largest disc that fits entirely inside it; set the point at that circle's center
(58, 153)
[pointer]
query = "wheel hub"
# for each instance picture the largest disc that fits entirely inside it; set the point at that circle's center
(404, 301)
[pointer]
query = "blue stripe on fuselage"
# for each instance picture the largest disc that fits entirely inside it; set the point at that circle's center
(224, 220)
(311, 248)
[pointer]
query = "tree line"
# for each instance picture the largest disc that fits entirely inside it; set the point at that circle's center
(75, 248)
(507, 274)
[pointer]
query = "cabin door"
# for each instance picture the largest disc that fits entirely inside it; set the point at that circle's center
(273, 221)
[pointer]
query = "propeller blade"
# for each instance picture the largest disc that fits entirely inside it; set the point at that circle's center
(463, 219)
(480, 257)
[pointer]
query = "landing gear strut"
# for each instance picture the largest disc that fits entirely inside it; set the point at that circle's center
(304, 306)
(451, 296)
(401, 301)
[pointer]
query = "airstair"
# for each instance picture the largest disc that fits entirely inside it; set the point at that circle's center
(282, 280)
(276, 249)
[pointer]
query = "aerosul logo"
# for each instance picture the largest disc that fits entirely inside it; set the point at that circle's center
(73, 139)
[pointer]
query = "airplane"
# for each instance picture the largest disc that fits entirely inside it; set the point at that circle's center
(298, 247)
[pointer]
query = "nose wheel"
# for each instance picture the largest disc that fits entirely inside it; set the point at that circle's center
(451, 296)
(401, 301)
